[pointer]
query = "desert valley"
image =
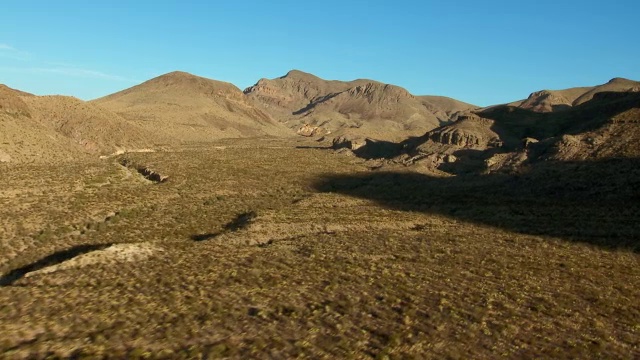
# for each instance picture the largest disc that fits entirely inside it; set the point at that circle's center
(186, 218)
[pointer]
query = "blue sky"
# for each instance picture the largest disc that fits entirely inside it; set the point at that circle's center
(482, 52)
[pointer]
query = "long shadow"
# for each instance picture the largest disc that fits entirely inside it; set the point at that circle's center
(56, 258)
(241, 221)
(379, 149)
(372, 149)
(469, 161)
(595, 202)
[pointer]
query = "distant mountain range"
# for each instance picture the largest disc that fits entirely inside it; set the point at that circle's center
(179, 108)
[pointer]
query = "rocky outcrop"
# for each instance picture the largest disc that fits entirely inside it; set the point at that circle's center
(452, 136)
(310, 130)
(432, 161)
(468, 132)
(528, 142)
(374, 91)
(343, 142)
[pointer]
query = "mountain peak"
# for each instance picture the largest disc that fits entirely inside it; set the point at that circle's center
(297, 74)
(619, 80)
(178, 73)
(187, 82)
(177, 76)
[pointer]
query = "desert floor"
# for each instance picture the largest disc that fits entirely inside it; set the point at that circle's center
(270, 248)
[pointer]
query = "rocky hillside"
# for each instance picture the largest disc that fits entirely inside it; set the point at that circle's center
(378, 120)
(191, 108)
(557, 100)
(507, 137)
(612, 131)
(361, 107)
(53, 128)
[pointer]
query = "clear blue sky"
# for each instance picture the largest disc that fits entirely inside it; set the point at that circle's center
(483, 52)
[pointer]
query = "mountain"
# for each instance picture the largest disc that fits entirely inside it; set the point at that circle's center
(557, 100)
(191, 108)
(611, 130)
(359, 107)
(614, 85)
(575, 123)
(598, 122)
(52, 128)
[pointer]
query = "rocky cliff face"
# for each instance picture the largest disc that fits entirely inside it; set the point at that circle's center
(381, 93)
(457, 137)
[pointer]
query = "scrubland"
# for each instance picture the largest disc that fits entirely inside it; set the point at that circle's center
(268, 248)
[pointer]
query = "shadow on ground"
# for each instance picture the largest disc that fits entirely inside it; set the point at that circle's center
(241, 221)
(56, 258)
(594, 202)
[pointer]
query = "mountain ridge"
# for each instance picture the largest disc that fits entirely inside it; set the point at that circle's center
(179, 107)
(358, 107)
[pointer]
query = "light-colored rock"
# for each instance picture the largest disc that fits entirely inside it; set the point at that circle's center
(348, 143)
(309, 130)
(4, 157)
